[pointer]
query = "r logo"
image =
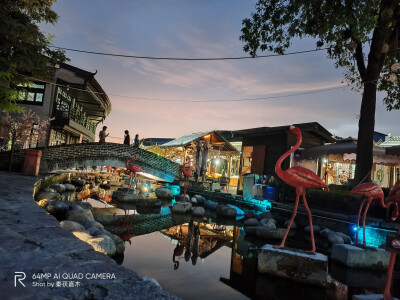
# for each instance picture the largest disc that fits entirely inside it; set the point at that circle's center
(19, 276)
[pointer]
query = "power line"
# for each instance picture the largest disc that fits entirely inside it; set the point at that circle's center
(187, 58)
(193, 101)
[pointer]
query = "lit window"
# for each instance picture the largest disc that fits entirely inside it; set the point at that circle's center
(32, 93)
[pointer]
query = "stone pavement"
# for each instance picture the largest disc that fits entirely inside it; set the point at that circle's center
(51, 262)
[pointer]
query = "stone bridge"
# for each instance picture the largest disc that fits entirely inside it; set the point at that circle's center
(96, 154)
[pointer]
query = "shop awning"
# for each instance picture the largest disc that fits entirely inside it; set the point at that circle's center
(345, 146)
(214, 138)
(348, 148)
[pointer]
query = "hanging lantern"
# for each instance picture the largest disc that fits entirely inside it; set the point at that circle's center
(393, 78)
(395, 67)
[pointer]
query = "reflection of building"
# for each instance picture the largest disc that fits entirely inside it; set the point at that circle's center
(74, 99)
(211, 238)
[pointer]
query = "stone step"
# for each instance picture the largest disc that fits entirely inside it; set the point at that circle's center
(294, 264)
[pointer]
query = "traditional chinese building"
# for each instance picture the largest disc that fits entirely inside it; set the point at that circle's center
(74, 99)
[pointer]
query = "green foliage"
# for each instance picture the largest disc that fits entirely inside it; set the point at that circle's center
(345, 28)
(24, 50)
(362, 36)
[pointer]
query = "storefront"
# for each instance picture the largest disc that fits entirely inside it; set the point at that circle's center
(211, 156)
(338, 163)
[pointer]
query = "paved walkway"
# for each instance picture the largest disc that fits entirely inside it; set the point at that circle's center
(53, 264)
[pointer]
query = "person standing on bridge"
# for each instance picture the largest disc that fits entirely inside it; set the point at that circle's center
(127, 138)
(103, 135)
(136, 141)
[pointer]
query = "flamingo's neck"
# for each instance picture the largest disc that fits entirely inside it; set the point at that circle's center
(278, 165)
(382, 201)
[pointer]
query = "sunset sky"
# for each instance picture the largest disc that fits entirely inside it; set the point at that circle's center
(140, 89)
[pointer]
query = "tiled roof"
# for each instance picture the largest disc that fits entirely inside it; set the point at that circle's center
(192, 138)
(392, 141)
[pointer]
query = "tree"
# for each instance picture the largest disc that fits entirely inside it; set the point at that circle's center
(27, 128)
(24, 49)
(349, 30)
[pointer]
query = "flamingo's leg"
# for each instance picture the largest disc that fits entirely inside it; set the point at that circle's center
(185, 186)
(386, 291)
(282, 244)
(310, 221)
(130, 182)
(134, 177)
(364, 217)
(358, 218)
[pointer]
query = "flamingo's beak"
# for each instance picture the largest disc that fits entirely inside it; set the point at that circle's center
(292, 127)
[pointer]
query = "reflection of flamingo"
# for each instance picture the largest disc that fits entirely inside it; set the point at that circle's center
(178, 251)
(394, 197)
(187, 172)
(124, 223)
(369, 191)
(301, 179)
(133, 169)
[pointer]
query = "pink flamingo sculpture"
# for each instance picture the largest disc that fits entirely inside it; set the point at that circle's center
(301, 179)
(394, 198)
(187, 173)
(133, 169)
(369, 191)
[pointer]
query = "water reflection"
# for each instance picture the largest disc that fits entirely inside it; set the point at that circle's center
(213, 258)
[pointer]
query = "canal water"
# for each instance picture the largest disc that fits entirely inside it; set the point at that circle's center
(213, 259)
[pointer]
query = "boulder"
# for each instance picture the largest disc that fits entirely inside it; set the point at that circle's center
(250, 214)
(334, 238)
(58, 187)
(72, 226)
(345, 237)
(126, 197)
(293, 226)
(211, 205)
(48, 190)
(164, 193)
(44, 202)
(85, 205)
(316, 229)
(79, 215)
(200, 199)
(57, 207)
(265, 215)
(83, 236)
(186, 198)
(226, 211)
(103, 244)
(326, 232)
(268, 223)
(92, 224)
(198, 211)
(69, 187)
(181, 207)
(251, 222)
(93, 231)
(119, 244)
(48, 196)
